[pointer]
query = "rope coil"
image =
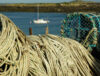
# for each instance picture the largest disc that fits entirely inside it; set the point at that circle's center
(46, 55)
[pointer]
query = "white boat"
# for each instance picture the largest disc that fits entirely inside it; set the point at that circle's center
(40, 21)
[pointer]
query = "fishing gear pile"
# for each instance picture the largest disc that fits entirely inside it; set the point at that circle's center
(43, 55)
(84, 28)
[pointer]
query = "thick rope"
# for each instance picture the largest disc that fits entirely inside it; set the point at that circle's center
(13, 50)
(62, 57)
(46, 55)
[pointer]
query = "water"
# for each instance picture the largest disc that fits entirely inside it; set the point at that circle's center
(22, 20)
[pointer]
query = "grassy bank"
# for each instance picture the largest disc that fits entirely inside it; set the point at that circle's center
(53, 7)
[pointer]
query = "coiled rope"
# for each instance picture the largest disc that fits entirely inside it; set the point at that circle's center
(13, 50)
(62, 57)
(44, 55)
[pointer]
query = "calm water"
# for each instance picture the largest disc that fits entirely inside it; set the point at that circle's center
(22, 20)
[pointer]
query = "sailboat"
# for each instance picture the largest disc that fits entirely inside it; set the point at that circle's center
(40, 21)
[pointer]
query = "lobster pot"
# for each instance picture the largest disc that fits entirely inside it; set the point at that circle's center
(83, 27)
(98, 45)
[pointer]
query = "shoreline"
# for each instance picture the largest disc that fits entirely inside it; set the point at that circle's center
(52, 7)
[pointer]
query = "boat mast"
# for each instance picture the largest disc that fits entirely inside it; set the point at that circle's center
(38, 11)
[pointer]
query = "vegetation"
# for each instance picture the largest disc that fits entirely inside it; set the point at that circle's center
(53, 7)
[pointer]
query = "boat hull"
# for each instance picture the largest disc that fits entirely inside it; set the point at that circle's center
(40, 21)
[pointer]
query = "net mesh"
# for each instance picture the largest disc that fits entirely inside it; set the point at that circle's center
(83, 27)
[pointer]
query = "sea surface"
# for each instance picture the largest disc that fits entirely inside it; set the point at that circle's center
(24, 20)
